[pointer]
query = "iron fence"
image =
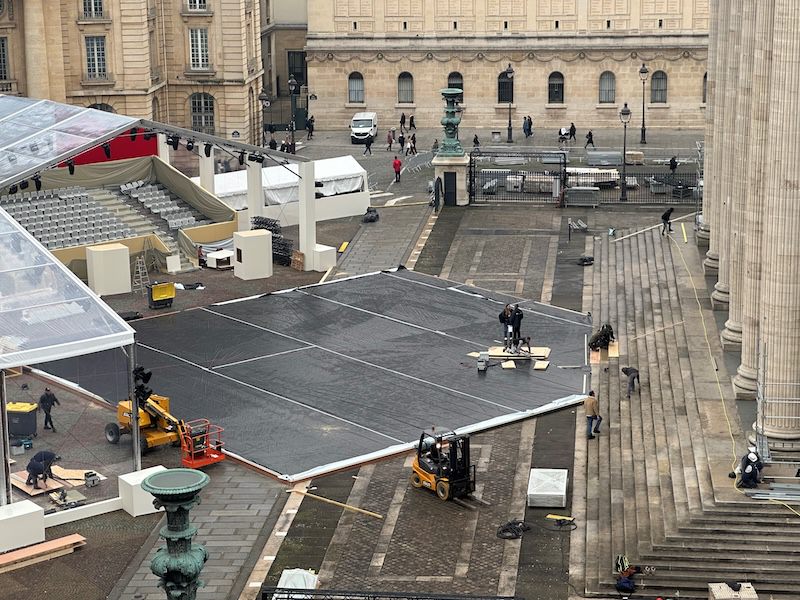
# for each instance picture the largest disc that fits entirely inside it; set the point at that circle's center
(274, 593)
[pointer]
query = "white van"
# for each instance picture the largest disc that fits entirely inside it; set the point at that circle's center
(363, 125)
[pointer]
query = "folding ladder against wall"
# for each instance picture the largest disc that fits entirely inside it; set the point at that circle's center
(141, 278)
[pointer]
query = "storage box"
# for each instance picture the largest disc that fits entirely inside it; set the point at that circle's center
(160, 295)
(22, 419)
(548, 487)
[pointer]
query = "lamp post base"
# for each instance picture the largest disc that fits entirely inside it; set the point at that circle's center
(509, 140)
(644, 136)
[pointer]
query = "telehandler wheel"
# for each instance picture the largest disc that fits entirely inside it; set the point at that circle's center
(112, 433)
(416, 480)
(443, 490)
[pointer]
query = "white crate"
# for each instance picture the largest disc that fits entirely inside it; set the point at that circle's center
(721, 591)
(548, 488)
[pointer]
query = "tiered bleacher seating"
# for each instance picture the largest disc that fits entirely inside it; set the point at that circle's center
(157, 199)
(64, 217)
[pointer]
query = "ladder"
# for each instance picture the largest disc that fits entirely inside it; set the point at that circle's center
(141, 278)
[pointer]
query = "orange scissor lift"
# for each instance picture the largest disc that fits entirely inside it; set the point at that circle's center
(201, 443)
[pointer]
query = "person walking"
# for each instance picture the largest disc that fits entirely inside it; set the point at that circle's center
(411, 124)
(525, 126)
(633, 378)
(46, 402)
(666, 224)
(437, 195)
(273, 145)
(435, 146)
(572, 131)
(402, 122)
(476, 142)
(592, 409)
(310, 128)
(397, 165)
(401, 141)
(589, 140)
(368, 145)
(389, 141)
(673, 164)
(413, 143)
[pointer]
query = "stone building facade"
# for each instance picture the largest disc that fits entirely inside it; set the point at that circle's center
(191, 63)
(284, 24)
(573, 60)
(752, 203)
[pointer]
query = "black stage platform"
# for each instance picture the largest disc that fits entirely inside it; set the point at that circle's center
(308, 377)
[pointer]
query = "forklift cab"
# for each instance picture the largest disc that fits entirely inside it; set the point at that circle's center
(443, 464)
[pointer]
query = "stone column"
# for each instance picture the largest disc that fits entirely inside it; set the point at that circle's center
(744, 382)
(711, 177)
(704, 232)
(780, 290)
(720, 295)
(732, 334)
(37, 77)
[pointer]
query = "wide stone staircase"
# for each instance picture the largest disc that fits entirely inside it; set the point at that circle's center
(653, 485)
(137, 217)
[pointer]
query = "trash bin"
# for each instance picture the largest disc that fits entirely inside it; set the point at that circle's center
(160, 295)
(22, 419)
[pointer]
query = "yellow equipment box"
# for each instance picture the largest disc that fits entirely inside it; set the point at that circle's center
(160, 295)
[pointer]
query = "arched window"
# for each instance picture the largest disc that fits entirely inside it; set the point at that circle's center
(102, 106)
(705, 87)
(658, 88)
(608, 88)
(405, 88)
(455, 80)
(555, 88)
(355, 88)
(505, 87)
(202, 110)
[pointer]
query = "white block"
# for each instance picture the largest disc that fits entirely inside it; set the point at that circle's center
(173, 263)
(324, 257)
(109, 270)
(548, 488)
(22, 524)
(721, 591)
(252, 254)
(135, 501)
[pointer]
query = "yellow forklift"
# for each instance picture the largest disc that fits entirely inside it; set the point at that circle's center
(442, 464)
(200, 441)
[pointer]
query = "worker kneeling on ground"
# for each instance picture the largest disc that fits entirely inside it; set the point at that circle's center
(40, 466)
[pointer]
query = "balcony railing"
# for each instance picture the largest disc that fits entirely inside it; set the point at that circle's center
(98, 78)
(8, 86)
(196, 9)
(94, 16)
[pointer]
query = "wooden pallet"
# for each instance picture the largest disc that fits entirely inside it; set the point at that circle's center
(17, 559)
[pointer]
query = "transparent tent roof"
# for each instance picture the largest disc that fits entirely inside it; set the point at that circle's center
(46, 312)
(37, 134)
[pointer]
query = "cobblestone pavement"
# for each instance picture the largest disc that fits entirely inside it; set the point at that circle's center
(426, 545)
(238, 509)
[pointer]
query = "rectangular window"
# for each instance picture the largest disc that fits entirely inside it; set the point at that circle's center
(355, 89)
(297, 66)
(198, 5)
(198, 49)
(4, 59)
(96, 57)
(92, 9)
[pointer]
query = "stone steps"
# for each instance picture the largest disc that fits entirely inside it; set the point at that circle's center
(650, 488)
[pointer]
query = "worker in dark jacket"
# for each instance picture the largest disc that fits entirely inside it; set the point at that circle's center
(46, 402)
(35, 471)
(633, 378)
(516, 327)
(505, 323)
(46, 458)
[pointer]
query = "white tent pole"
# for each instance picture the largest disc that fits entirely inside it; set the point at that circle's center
(307, 214)
(5, 472)
(137, 442)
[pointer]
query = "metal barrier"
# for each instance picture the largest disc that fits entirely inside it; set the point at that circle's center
(270, 593)
(523, 176)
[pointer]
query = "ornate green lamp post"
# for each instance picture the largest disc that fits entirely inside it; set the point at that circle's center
(452, 117)
(179, 564)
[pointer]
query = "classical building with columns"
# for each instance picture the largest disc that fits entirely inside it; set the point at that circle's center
(752, 202)
(191, 63)
(573, 60)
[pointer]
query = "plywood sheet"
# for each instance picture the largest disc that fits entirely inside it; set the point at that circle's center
(541, 365)
(613, 350)
(509, 364)
(18, 481)
(498, 352)
(594, 357)
(542, 352)
(40, 552)
(74, 477)
(474, 354)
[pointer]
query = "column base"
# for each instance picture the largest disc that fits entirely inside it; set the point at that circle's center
(703, 236)
(745, 383)
(731, 337)
(720, 297)
(711, 264)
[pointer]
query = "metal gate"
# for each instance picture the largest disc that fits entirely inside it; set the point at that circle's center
(269, 593)
(545, 177)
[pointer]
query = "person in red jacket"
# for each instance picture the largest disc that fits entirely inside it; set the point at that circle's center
(397, 165)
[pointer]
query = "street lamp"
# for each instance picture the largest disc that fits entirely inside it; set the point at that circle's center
(293, 101)
(625, 118)
(510, 92)
(263, 97)
(643, 72)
